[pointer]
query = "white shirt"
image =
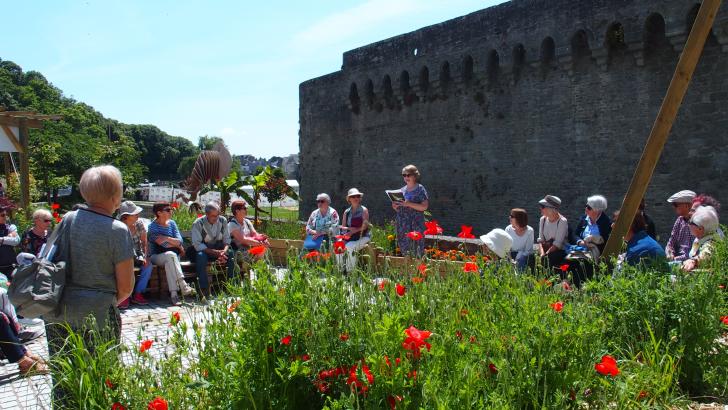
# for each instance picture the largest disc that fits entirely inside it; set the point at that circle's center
(522, 244)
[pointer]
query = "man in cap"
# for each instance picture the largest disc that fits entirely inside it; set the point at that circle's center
(678, 246)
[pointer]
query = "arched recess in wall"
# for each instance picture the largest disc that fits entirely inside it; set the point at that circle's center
(405, 88)
(690, 20)
(369, 92)
(492, 66)
(580, 51)
(548, 51)
(424, 80)
(614, 41)
(387, 91)
(653, 36)
(467, 69)
(354, 99)
(445, 77)
(519, 61)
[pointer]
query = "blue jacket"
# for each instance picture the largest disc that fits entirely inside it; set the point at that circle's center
(642, 247)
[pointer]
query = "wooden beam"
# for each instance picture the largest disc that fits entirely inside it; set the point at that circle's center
(14, 122)
(663, 124)
(12, 138)
(24, 169)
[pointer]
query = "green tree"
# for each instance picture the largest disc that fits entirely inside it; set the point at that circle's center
(232, 183)
(275, 187)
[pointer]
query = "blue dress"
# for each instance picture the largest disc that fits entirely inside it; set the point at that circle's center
(409, 220)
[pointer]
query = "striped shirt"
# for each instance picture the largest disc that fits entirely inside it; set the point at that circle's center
(156, 230)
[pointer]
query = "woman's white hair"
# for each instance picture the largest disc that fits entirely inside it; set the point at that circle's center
(323, 196)
(101, 183)
(42, 213)
(212, 206)
(706, 218)
(597, 202)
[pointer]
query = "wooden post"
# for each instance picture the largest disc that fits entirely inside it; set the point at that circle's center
(665, 118)
(24, 167)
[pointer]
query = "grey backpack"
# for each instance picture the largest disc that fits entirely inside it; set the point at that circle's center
(36, 289)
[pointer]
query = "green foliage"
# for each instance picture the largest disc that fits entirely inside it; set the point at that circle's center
(233, 183)
(495, 343)
(206, 143)
(62, 150)
(275, 187)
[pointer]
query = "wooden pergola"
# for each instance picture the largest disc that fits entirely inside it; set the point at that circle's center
(15, 125)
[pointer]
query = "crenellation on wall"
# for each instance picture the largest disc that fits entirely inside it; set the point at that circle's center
(551, 120)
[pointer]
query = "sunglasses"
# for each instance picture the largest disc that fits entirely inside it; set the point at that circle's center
(167, 210)
(589, 207)
(355, 197)
(47, 221)
(511, 216)
(321, 201)
(406, 175)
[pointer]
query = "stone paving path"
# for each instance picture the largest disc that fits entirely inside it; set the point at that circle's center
(151, 322)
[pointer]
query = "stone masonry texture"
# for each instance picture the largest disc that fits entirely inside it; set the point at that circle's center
(502, 106)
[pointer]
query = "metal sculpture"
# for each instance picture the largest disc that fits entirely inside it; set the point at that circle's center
(211, 166)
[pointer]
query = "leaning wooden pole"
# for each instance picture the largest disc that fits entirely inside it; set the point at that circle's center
(665, 118)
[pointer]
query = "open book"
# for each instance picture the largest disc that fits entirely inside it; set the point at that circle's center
(395, 195)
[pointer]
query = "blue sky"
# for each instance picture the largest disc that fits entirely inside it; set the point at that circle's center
(224, 68)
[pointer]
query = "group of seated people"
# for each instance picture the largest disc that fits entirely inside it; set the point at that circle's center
(690, 244)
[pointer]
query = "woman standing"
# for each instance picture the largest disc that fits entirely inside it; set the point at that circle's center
(100, 252)
(355, 225)
(129, 214)
(165, 243)
(411, 212)
(553, 231)
(321, 223)
(522, 235)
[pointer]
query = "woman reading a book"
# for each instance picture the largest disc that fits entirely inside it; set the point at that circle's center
(411, 212)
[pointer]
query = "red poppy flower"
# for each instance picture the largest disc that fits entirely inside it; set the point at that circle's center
(344, 337)
(233, 306)
(415, 340)
(322, 387)
(175, 319)
(58, 220)
(117, 406)
(466, 232)
(432, 228)
(564, 267)
(257, 250)
(353, 381)
(417, 280)
(55, 214)
(269, 349)
(383, 283)
(422, 268)
(109, 384)
(724, 319)
(146, 345)
(393, 400)
(158, 404)
(459, 335)
(642, 394)
(286, 340)
(400, 289)
(339, 247)
(464, 312)
(470, 267)
(174, 205)
(343, 237)
(200, 215)
(305, 357)
(55, 206)
(492, 368)
(412, 375)
(472, 339)
(367, 373)
(414, 235)
(557, 306)
(312, 255)
(607, 367)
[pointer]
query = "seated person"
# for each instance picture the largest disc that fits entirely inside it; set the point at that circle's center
(211, 240)
(34, 238)
(243, 234)
(522, 236)
(641, 246)
(703, 226)
(552, 233)
(594, 226)
(355, 225)
(9, 239)
(322, 223)
(14, 351)
(129, 215)
(165, 247)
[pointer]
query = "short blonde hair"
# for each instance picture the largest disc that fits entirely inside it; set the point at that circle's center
(100, 183)
(411, 169)
(41, 213)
